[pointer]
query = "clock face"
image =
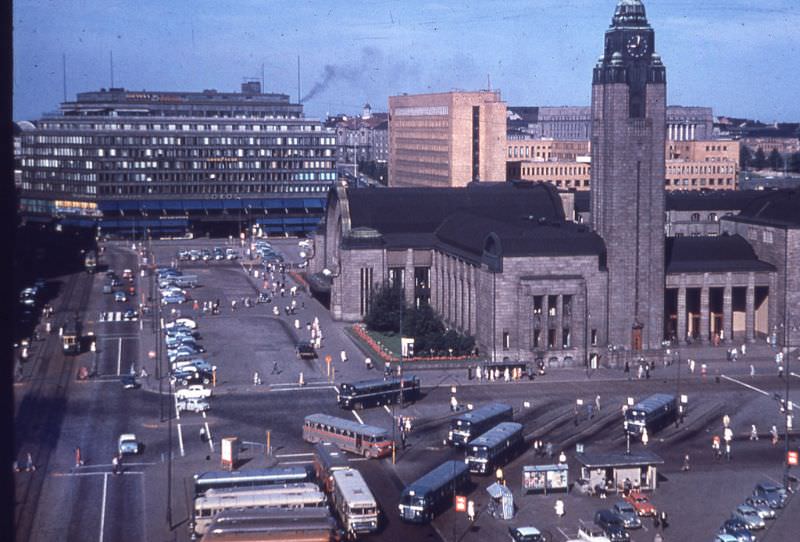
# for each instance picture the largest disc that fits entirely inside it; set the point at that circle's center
(637, 46)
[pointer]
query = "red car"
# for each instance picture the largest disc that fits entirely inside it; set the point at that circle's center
(641, 504)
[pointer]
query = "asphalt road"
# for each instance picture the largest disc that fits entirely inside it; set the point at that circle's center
(152, 501)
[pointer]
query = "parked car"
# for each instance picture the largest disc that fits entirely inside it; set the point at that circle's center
(171, 289)
(181, 332)
(590, 533)
(724, 538)
(173, 299)
(525, 534)
(773, 493)
(205, 254)
(175, 341)
(182, 353)
(641, 503)
(627, 513)
(195, 391)
(762, 507)
(186, 378)
(737, 529)
(120, 297)
(183, 255)
(194, 255)
(612, 525)
(218, 254)
(181, 322)
(127, 274)
(749, 516)
(231, 254)
(193, 404)
(196, 364)
(127, 444)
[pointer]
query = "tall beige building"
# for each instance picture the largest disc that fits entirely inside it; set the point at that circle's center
(447, 139)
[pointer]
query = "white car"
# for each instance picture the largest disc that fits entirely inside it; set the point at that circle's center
(127, 444)
(195, 391)
(171, 290)
(181, 322)
(193, 404)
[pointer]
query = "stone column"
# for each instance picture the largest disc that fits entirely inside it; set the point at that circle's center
(681, 332)
(704, 320)
(750, 310)
(559, 321)
(727, 311)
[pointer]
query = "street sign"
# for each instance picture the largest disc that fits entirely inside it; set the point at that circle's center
(791, 458)
(461, 503)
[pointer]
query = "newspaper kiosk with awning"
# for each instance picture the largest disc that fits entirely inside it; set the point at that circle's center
(611, 470)
(545, 478)
(502, 503)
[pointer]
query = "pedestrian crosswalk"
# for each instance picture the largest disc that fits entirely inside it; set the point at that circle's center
(114, 316)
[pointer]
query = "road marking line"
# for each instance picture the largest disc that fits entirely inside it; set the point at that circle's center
(306, 462)
(299, 454)
(208, 434)
(386, 408)
(180, 439)
(795, 375)
(103, 510)
(119, 356)
(353, 460)
(762, 392)
(357, 417)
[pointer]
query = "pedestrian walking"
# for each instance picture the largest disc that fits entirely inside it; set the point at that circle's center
(641, 371)
(597, 403)
(202, 434)
(407, 424)
(627, 369)
(233, 305)
(256, 378)
(506, 374)
(685, 463)
(275, 368)
(453, 403)
(368, 363)
(343, 356)
(691, 366)
(728, 450)
(115, 467)
(78, 459)
(752, 370)
(715, 449)
(646, 371)
(296, 323)
(744, 349)
(471, 511)
(645, 437)
(479, 373)
(753, 432)
(663, 518)
(780, 371)
(773, 433)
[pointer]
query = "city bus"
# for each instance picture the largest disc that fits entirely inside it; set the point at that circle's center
(348, 435)
(354, 504)
(254, 477)
(422, 500)
(469, 424)
(494, 447)
(328, 458)
(371, 393)
(256, 525)
(215, 501)
(653, 413)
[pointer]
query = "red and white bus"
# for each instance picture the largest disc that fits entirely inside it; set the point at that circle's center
(348, 435)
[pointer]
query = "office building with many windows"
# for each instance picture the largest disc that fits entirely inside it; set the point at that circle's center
(178, 161)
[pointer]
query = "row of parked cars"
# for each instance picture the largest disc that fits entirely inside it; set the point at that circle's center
(623, 515)
(763, 504)
(216, 254)
(264, 250)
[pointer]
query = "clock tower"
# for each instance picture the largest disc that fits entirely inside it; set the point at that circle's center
(628, 137)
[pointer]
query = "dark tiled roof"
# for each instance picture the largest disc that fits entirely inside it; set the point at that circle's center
(712, 254)
(422, 210)
(773, 208)
(519, 237)
(711, 200)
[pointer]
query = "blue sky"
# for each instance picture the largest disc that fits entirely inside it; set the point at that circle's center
(739, 57)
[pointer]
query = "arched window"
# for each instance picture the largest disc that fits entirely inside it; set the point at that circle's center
(695, 217)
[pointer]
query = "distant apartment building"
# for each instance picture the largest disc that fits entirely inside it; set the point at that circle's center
(363, 138)
(159, 161)
(702, 165)
(447, 139)
(574, 122)
(690, 165)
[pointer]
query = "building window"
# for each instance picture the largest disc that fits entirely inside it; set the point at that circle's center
(567, 305)
(506, 340)
(565, 338)
(551, 339)
(537, 304)
(396, 277)
(552, 309)
(768, 237)
(365, 289)
(695, 217)
(593, 337)
(537, 338)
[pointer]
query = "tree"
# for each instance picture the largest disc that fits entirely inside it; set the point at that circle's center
(385, 309)
(745, 157)
(794, 162)
(775, 160)
(760, 159)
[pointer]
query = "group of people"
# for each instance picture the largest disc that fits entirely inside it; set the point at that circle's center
(492, 374)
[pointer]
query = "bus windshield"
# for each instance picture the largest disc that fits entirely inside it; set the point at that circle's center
(481, 452)
(412, 500)
(362, 510)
